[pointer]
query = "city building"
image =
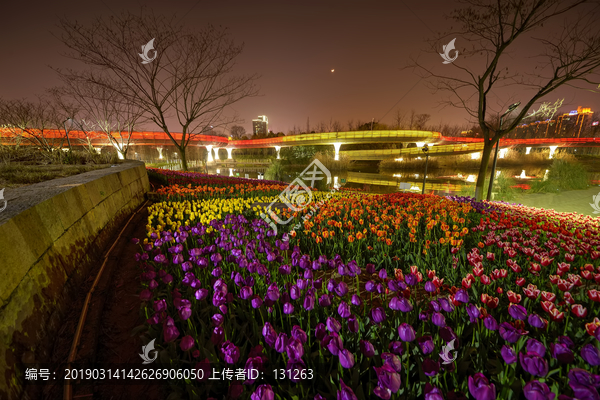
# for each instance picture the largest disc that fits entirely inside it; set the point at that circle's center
(575, 124)
(259, 125)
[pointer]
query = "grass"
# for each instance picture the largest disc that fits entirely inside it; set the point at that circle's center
(328, 160)
(562, 175)
(275, 171)
(502, 188)
(27, 165)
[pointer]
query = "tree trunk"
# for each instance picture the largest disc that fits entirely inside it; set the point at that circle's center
(488, 146)
(184, 164)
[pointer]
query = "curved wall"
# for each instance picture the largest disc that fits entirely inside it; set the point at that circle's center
(52, 233)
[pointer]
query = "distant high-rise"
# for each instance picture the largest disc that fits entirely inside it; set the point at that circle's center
(259, 125)
(570, 125)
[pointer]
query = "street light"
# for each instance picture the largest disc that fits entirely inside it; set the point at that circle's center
(67, 132)
(511, 108)
(426, 151)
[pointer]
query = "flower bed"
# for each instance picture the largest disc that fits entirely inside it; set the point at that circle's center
(351, 315)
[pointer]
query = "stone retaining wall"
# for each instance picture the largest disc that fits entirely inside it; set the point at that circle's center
(52, 233)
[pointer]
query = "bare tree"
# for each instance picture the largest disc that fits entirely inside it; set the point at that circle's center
(337, 126)
(188, 81)
(35, 122)
(237, 132)
(492, 28)
(399, 119)
(413, 119)
(100, 109)
(350, 124)
(421, 121)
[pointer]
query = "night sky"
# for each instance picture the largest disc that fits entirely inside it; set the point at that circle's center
(292, 45)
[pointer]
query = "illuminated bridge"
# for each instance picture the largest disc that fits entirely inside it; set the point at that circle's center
(412, 141)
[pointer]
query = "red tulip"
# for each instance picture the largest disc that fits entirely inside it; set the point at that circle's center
(595, 254)
(485, 297)
(535, 268)
(477, 271)
(588, 267)
(548, 296)
(548, 306)
(493, 302)
(564, 285)
(554, 279)
(592, 326)
(546, 261)
(491, 256)
(466, 283)
(575, 279)
(499, 290)
(587, 275)
(556, 315)
(438, 282)
(513, 297)
(597, 278)
(579, 310)
(485, 279)
(569, 257)
(520, 281)
(569, 298)
(503, 273)
(594, 295)
(430, 274)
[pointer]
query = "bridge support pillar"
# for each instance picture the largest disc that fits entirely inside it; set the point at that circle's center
(229, 151)
(337, 150)
(552, 150)
(277, 148)
(210, 157)
(527, 150)
(503, 152)
(160, 149)
(216, 149)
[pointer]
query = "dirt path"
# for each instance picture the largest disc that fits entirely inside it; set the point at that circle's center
(107, 337)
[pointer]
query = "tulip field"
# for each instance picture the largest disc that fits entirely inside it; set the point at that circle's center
(395, 296)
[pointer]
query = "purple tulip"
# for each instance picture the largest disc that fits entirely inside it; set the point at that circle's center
(517, 312)
(508, 354)
(309, 302)
(473, 312)
(299, 334)
(430, 367)
(269, 334)
(426, 344)
(217, 336)
(582, 392)
(288, 308)
(344, 310)
(333, 325)
(536, 390)
(446, 304)
(430, 287)
(396, 347)
(170, 331)
(324, 300)
(536, 321)
(366, 348)
(356, 300)
(462, 296)
(353, 325)
(433, 393)
(490, 323)
(509, 332)
(401, 304)
(393, 361)
(201, 294)
(263, 392)
(382, 393)
(583, 377)
(187, 342)
(536, 346)
(153, 284)
(388, 378)
(255, 363)
(281, 342)
(341, 289)
(346, 358)
(378, 315)
(319, 397)
(246, 293)
(591, 354)
(370, 286)
(256, 302)
(320, 331)
(438, 319)
(566, 341)
(294, 349)
(345, 393)
(160, 305)
(218, 319)
(406, 332)
(273, 292)
(295, 292)
(481, 388)
(435, 305)
(562, 353)
(411, 279)
(534, 364)
(335, 344)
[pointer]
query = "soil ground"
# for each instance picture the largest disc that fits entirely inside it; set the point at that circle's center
(107, 338)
